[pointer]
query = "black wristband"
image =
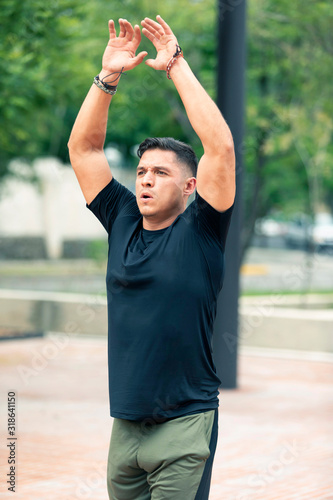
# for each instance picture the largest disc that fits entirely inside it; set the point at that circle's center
(105, 84)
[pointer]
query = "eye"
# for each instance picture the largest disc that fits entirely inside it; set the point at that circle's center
(161, 172)
(140, 172)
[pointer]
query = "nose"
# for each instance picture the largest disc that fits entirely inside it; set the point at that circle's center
(148, 179)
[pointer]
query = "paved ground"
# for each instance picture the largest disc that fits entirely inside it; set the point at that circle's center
(276, 431)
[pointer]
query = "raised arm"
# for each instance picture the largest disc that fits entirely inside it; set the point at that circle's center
(86, 142)
(216, 169)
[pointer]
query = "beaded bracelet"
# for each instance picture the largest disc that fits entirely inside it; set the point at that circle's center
(177, 54)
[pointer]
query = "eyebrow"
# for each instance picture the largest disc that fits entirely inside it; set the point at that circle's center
(156, 167)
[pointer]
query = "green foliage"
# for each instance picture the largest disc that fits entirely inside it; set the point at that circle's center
(97, 250)
(288, 145)
(51, 51)
(147, 103)
(35, 54)
(289, 100)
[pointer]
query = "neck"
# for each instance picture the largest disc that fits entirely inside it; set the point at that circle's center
(153, 225)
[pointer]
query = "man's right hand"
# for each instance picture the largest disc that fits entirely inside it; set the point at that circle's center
(120, 51)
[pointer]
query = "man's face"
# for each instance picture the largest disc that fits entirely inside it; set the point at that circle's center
(160, 185)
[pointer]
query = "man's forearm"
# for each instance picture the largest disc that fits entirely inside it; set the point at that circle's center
(89, 130)
(86, 142)
(204, 115)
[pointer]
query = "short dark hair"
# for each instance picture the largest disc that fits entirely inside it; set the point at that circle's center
(184, 152)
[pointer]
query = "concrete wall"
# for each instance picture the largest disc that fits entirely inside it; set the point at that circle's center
(287, 328)
(53, 208)
(26, 311)
(280, 328)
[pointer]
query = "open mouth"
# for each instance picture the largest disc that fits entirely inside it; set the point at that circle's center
(146, 196)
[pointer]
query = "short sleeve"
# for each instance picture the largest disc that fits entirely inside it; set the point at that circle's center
(113, 201)
(210, 221)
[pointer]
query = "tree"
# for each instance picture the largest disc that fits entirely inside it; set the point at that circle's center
(288, 152)
(51, 51)
(35, 57)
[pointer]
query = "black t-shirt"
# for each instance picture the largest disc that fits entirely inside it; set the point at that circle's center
(162, 288)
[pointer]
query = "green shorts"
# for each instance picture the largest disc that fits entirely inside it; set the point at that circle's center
(170, 460)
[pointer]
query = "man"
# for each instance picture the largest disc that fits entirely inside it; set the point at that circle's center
(165, 270)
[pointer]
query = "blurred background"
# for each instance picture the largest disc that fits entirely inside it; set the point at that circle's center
(50, 51)
(53, 252)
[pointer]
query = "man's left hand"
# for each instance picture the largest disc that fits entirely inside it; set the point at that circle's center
(163, 39)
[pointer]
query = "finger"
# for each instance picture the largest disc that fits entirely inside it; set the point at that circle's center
(122, 32)
(129, 30)
(154, 27)
(148, 26)
(152, 23)
(137, 34)
(112, 29)
(149, 35)
(165, 26)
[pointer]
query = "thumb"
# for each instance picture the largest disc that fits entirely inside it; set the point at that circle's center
(139, 58)
(150, 62)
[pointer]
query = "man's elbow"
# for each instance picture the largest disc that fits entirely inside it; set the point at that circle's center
(227, 147)
(79, 148)
(76, 152)
(226, 154)
(72, 145)
(222, 147)
(72, 151)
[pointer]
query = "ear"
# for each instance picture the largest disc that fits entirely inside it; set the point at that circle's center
(189, 186)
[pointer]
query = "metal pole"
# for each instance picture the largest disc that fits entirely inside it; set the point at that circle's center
(230, 100)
